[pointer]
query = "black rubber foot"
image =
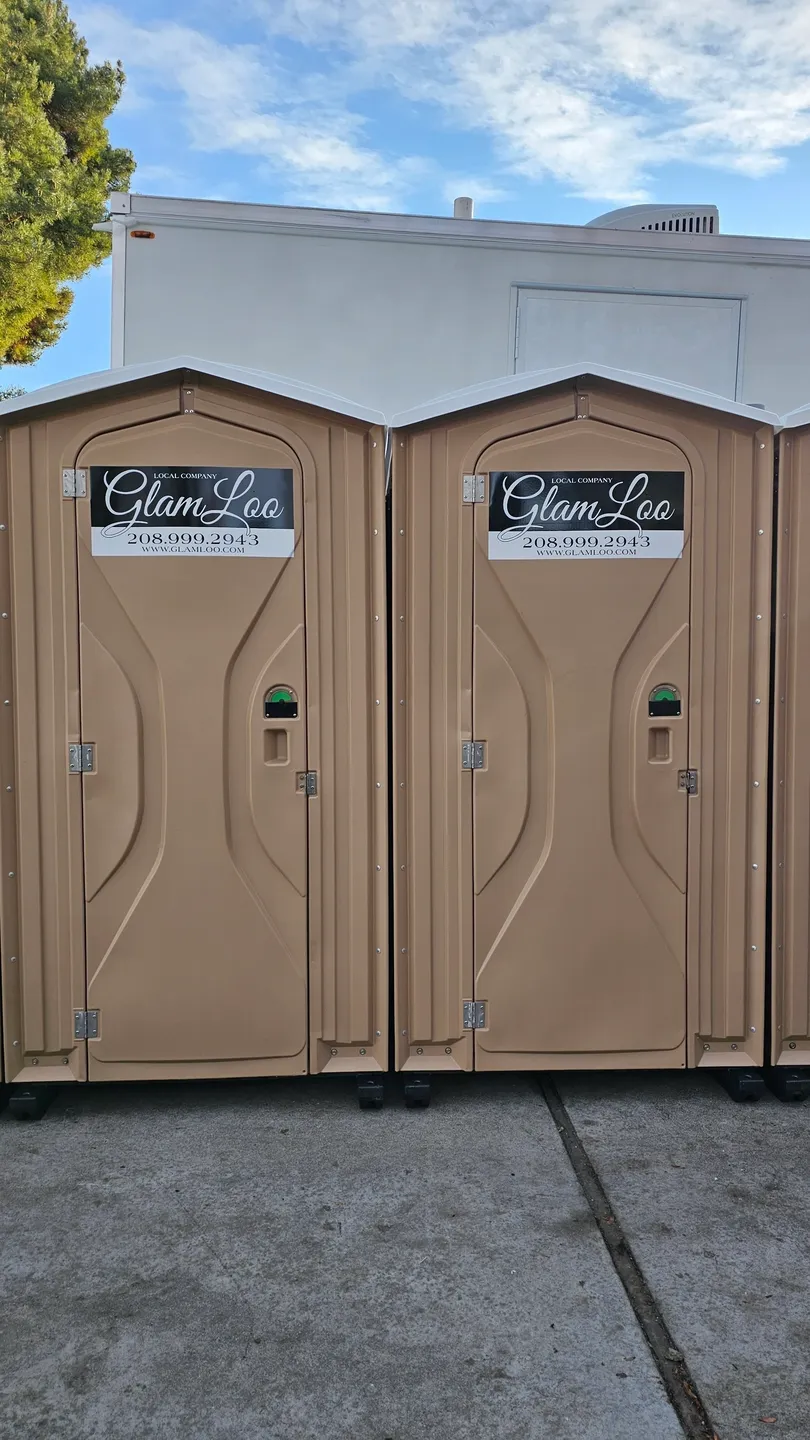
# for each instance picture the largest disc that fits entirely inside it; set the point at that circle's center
(29, 1102)
(788, 1083)
(417, 1094)
(742, 1083)
(370, 1095)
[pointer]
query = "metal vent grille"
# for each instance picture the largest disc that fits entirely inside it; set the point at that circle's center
(662, 219)
(685, 225)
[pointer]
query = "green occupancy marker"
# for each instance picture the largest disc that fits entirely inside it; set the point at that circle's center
(281, 703)
(664, 692)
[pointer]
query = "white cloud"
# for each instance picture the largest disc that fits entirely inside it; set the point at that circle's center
(235, 100)
(375, 25)
(598, 94)
(546, 125)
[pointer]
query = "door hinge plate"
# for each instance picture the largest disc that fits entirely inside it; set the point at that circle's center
(473, 754)
(474, 1014)
(74, 484)
(85, 1024)
(474, 489)
(306, 782)
(688, 781)
(81, 759)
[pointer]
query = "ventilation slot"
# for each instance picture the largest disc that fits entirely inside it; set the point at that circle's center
(662, 219)
(691, 224)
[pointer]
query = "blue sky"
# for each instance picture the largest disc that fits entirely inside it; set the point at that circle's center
(549, 111)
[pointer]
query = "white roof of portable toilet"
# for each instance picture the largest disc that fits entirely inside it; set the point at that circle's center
(795, 418)
(516, 385)
(254, 379)
(467, 399)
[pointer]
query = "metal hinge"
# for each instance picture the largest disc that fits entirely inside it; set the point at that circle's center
(306, 782)
(474, 489)
(74, 484)
(688, 781)
(474, 1014)
(81, 759)
(85, 1024)
(473, 754)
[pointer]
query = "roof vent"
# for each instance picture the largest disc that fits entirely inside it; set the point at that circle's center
(462, 208)
(665, 219)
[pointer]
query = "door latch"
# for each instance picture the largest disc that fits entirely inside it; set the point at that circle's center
(306, 782)
(688, 781)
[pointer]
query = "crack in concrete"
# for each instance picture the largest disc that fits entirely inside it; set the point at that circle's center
(678, 1381)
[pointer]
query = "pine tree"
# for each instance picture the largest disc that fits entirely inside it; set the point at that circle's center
(57, 168)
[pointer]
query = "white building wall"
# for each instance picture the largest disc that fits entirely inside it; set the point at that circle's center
(391, 311)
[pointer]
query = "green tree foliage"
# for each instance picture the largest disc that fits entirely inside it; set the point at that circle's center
(57, 168)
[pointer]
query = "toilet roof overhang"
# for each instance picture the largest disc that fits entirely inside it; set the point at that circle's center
(121, 376)
(795, 419)
(513, 386)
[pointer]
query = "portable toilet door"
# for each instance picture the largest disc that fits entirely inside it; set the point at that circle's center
(195, 785)
(582, 593)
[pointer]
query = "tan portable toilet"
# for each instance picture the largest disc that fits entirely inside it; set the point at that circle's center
(581, 603)
(193, 746)
(790, 931)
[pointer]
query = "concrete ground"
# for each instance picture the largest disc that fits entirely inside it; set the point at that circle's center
(714, 1199)
(266, 1262)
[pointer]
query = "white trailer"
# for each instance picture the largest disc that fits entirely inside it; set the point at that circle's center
(392, 310)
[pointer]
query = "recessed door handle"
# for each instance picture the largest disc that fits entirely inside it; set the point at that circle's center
(276, 747)
(659, 750)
